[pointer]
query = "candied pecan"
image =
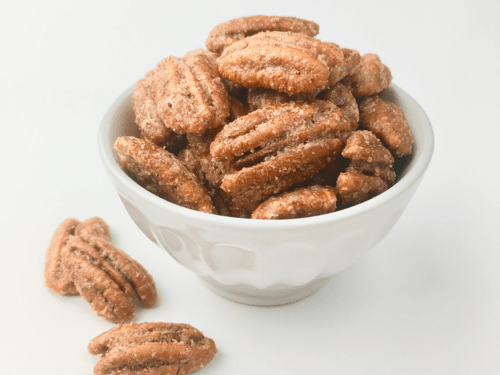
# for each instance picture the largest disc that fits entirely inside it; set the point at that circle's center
(354, 187)
(262, 97)
(107, 278)
(286, 62)
(388, 122)
(146, 114)
(189, 94)
(304, 202)
(56, 276)
(152, 348)
(370, 172)
(225, 34)
(352, 61)
(342, 97)
(162, 173)
(370, 78)
(274, 147)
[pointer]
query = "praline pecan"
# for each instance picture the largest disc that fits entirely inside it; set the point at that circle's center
(151, 348)
(274, 147)
(162, 173)
(304, 202)
(225, 34)
(107, 278)
(291, 63)
(371, 77)
(388, 122)
(189, 94)
(371, 168)
(56, 277)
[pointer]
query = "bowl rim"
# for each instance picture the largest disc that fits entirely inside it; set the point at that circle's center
(420, 162)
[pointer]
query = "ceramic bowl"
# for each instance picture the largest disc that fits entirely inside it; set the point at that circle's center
(266, 262)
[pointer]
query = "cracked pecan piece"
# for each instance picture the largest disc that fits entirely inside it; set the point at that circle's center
(274, 147)
(227, 33)
(286, 62)
(371, 168)
(189, 94)
(388, 122)
(107, 278)
(304, 202)
(152, 348)
(162, 173)
(371, 77)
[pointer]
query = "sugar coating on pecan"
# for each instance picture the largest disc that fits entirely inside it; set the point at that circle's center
(56, 276)
(388, 122)
(225, 34)
(304, 202)
(342, 97)
(107, 278)
(291, 63)
(152, 348)
(94, 226)
(189, 94)
(371, 77)
(162, 173)
(146, 114)
(262, 97)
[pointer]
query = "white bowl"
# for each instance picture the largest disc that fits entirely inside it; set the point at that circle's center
(266, 262)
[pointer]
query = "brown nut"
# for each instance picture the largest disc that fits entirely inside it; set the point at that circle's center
(262, 97)
(354, 187)
(162, 173)
(342, 97)
(304, 202)
(151, 348)
(371, 77)
(94, 226)
(388, 122)
(189, 94)
(107, 278)
(286, 62)
(225, 34)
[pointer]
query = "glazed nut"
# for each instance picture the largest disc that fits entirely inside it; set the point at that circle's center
(371, 77)
(189, 94)
(388, 122)
(304, 202)
(291, 63)
(225, 34)
(160, 172)
(107, 278)
(152, 348)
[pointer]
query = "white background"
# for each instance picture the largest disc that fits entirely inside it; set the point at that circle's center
(426, 300)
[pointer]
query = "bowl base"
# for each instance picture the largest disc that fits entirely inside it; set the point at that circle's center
(272, 296)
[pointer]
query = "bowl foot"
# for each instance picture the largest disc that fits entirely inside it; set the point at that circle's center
(275, 295)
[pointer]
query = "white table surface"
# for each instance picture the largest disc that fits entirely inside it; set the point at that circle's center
(426, 300)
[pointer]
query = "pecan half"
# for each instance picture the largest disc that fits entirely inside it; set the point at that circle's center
(304, 202)
(371, 168)
(189, 94)
(107, 278)
(225, 34)
(388, 122)
(152, 348)
(162, 173)
(274, 147)
(56, 277)
(286, 62)
(371, 77)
